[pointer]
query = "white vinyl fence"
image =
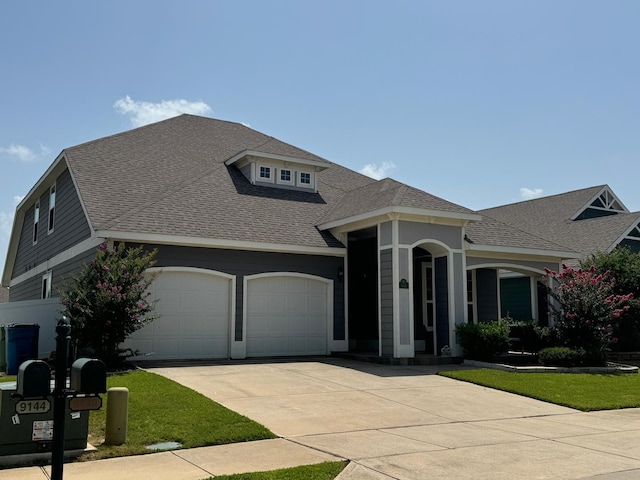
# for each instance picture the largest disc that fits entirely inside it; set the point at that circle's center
(45, 313)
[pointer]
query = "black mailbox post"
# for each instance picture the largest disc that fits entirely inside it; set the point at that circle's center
(88, 381)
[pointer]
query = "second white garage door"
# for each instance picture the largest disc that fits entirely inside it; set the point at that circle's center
(287, 315)
(194, 309)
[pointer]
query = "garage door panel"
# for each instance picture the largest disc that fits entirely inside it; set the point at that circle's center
(194, 320)
(276, 304)
(317, 345)
(286, 316)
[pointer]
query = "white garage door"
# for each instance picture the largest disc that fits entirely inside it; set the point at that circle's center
(286, 315)
(194, 317)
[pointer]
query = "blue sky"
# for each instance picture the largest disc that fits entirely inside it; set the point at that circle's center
(479, 102)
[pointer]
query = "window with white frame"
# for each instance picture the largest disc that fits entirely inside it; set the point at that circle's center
(429, 313)
(46, 285)
(304, 179)
(52, 207)
(285, 176)
(471, 296)
(264, 174)
(36, 220)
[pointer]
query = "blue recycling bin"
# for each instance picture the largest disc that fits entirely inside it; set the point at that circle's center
(21, 345)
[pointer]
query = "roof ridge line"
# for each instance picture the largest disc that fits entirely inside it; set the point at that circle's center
(545, 197)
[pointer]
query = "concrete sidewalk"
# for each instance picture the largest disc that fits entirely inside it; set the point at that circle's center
(391, 422)
(187, 464)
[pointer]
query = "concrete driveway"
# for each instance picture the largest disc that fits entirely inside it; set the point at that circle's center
(405, 422)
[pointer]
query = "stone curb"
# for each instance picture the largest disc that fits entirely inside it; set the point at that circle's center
(613, 368)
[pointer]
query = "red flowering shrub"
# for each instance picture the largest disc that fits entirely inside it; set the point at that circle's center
(109, 301)
(589, 310)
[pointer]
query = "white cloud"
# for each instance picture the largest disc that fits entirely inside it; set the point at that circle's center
(529, 193)
(24, 153)
(376, 171)
(143, 113)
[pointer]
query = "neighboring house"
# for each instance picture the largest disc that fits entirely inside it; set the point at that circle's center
(266, 249)
(589, 220)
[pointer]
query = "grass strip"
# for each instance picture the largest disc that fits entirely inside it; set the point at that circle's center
(320, 471)
(161, 410)
(582, 391)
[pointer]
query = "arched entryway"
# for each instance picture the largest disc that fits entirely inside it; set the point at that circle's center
(431, 297)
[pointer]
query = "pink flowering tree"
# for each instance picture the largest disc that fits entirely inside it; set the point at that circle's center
(589, 310)
(109, 300)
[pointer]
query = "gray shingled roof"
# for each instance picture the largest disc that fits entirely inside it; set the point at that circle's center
(4, 294)
(550, 217)
(170, 178)
(388, 193)
(493, 232)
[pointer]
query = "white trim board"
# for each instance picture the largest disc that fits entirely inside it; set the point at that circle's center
(184, 241)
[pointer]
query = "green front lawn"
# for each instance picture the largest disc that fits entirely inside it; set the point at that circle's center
(161, 410)
(321, 471)
(582, 391)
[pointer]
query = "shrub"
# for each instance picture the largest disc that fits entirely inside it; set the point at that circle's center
(589, 309)
(481, 341)
(532, 337)
(567, 357)
(108, 301)
(624, 267)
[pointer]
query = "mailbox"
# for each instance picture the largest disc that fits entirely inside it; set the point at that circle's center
(34, 379)
(89, 375)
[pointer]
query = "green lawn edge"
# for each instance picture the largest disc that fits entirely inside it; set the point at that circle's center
(320, 471)
(581, 391)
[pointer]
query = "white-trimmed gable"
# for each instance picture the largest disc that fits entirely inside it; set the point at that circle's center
(630, 239)
(604, 203)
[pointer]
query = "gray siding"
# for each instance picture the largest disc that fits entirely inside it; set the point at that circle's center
(412, 232)
(30, 289)
(487, 292)
(241, 263)
(512, 264)
(386, 236)
(386, 300)
(442, 302)
(70, 227)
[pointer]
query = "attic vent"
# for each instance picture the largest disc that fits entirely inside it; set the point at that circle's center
(606, 204)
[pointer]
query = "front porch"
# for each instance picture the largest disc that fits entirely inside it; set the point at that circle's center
(410, 283)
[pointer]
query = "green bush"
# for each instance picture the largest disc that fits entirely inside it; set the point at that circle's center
(589, 311)
(561, 357)
(109, 300)
(570, 357)
(532, 337)
(481, 341)
(624, 266)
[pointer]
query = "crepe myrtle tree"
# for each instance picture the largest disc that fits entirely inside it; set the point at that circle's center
(624, 265)
(589, 310)
(109, 300)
